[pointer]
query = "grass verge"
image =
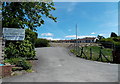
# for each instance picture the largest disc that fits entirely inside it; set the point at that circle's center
(93, 53)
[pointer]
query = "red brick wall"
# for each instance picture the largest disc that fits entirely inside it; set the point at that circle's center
(5, 70)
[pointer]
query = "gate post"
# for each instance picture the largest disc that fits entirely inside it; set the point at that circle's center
(116, 55)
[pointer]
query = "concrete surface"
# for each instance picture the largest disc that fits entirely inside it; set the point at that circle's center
(56, 65)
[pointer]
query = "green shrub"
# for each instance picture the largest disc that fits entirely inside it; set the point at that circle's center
(11, 51)
(116, 39)
(29, 70)
(111, 42)
(19, 62)
(41, 43)
(20, 49)
(74, 51)
(117, 45)
(16, 68)
(31, 36)
(107, 43)
(26, 65)
(23, 48)
(26, 50)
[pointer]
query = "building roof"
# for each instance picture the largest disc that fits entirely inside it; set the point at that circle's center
(87, 38)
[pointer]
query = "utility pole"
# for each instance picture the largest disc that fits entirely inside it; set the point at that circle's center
(76, 39)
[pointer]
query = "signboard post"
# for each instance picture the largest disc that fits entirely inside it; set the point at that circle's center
(13, 34)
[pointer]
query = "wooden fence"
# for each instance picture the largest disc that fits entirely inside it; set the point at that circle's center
(89, 54)
(99, 58)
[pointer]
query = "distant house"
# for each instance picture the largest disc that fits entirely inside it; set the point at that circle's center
(83, 40)
(87, 40)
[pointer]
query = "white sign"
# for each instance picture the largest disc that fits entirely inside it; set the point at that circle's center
(13, 34)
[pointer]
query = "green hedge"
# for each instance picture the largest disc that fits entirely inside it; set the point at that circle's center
(117, 45)
(111, 42)
(20, 49)
(41, 43)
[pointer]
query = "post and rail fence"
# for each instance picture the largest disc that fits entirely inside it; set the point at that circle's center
(87, 52)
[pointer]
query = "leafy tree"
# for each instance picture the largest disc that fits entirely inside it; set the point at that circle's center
(26, 14)
(22, 15)
(113, 34)
(99, 38)
(31, 36)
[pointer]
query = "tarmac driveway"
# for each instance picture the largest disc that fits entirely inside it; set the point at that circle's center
(54, 64)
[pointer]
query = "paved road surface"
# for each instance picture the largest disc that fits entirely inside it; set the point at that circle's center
(56, 65)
